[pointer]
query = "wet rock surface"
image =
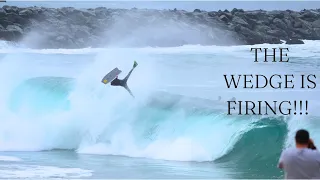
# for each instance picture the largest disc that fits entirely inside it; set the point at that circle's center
(39, 27)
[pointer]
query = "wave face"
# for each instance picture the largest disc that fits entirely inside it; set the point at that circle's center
(42, 94)
(53, 99)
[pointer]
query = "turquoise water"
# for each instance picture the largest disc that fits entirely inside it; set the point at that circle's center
(54, 90)
(59, 120)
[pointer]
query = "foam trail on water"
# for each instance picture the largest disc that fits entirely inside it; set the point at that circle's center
(9, 158)
(33, 171)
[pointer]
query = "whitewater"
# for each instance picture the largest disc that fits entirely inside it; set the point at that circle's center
(59, 121)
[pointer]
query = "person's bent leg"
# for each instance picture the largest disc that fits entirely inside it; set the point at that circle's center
(127, 77)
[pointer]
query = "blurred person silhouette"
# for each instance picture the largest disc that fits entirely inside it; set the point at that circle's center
(301, 161)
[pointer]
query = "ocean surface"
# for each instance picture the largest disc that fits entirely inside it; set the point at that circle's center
(59, 121)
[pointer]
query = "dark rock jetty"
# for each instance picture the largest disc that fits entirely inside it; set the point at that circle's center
(40, 27)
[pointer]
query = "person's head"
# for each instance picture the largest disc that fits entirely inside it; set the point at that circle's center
(302, 138)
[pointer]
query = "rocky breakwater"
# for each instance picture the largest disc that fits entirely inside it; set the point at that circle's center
(39, 27)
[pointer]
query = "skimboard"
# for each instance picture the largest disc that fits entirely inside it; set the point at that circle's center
(111, 76)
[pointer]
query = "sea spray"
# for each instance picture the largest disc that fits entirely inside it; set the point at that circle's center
(99, 119)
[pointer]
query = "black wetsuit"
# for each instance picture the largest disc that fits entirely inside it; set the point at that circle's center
(122, 82)
(118, 82)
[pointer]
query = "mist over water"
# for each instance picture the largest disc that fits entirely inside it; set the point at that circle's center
(51, 104)
(55, 108)
(53, 100)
